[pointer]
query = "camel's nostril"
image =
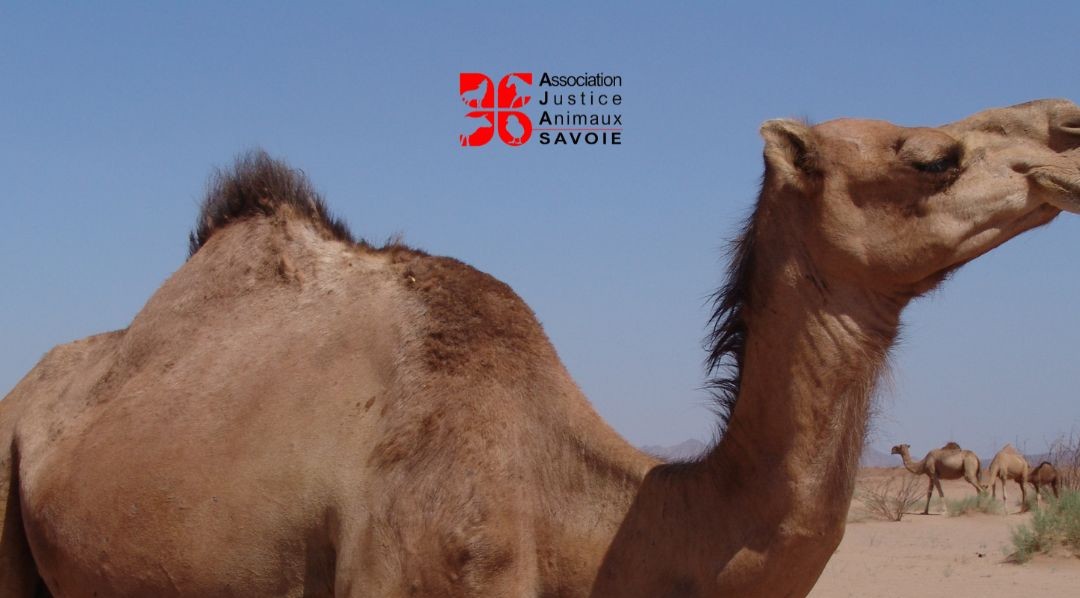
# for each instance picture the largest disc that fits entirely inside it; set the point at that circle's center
(1065, 128)
(1065, 116)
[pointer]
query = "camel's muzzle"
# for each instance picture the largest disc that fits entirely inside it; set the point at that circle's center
(1065, 127)
(1062, 179)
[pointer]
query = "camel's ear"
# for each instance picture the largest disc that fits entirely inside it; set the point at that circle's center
(790, 151)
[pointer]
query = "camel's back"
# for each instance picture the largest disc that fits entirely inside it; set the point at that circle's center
(1009, 462)
(955, 463)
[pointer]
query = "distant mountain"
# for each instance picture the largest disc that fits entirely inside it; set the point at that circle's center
(688, 449)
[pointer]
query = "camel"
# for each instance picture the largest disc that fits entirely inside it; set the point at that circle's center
(298, 413)
(1044, 475)
(1008, 464)
(949, 462)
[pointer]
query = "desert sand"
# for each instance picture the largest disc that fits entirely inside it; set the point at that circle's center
(938, 555)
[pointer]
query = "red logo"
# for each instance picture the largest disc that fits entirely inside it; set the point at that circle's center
(495, 107)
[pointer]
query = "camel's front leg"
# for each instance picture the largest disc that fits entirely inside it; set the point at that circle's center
(929, 495)
(974, 484)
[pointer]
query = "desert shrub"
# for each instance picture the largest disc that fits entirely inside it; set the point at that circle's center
(1065, 456)
(1057, 524)
(1068, 515)
(1025, 544)
(980, 503)
(891, 497)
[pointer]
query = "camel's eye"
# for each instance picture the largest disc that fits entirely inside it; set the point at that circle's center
(937, 166)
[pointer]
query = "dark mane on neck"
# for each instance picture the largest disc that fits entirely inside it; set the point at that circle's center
(259, 185)
(726, 341)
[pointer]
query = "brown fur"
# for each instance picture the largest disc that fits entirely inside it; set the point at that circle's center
(476, 321)
(296, 414)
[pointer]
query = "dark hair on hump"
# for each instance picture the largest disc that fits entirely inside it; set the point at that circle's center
(259, 185)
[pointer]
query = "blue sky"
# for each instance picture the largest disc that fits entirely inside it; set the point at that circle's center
(111, 117)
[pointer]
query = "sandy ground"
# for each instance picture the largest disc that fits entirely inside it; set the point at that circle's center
(937, 555)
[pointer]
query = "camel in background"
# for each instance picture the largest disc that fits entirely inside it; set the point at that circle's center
(1044, 475)
(1008, 464)
(295, 412)
(949, 462)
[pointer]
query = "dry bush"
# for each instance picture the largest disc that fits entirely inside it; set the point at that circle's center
(891, 497)
(1065, 457)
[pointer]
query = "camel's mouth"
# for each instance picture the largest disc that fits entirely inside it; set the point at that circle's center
(1062, 179)
(1069, 202)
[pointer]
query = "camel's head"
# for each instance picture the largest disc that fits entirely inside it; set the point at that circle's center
(896, 209)
(900, 449)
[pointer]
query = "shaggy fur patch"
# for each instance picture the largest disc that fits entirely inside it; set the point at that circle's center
(260, 185)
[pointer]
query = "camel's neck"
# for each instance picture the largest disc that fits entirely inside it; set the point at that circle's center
(770, 501)
(813, 356)
(912, 466)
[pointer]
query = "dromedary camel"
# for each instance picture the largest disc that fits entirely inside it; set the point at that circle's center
(1008, 464)
(1044, 475)
(949, 462)
(297, 413)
